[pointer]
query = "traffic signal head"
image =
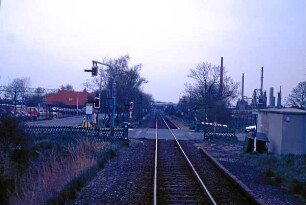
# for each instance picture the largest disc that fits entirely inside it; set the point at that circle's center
(97, 103)
(94, 70)
(131, 105)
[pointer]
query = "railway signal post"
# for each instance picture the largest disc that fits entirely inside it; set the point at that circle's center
(94, 72)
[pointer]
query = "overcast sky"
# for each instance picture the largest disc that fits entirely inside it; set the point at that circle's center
(53, 41)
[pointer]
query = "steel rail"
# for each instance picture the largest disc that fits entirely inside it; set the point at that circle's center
(201, 183)
(155, 166)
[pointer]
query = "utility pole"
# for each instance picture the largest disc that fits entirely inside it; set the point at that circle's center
(221, 78)
(205, 108)
(242, 89)
(114, 92)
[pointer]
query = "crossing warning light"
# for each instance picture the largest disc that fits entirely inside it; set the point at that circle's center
(97, 103)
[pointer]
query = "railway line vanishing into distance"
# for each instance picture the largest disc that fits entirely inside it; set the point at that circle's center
(188, 177)
(183, 174)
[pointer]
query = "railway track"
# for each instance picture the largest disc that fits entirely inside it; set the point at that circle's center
(175, 179)
(180, 180)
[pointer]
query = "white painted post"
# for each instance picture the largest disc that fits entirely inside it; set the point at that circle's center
(254, 143)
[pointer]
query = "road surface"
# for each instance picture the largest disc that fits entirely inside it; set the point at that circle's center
(68, 121)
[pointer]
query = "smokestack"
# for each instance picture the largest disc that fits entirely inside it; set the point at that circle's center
(221, 77)
(279, 98)
(261, 82)
(242, 88)
(272, 98)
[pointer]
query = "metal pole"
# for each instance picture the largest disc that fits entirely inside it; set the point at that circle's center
(242, 88)
(100, 90)
(221, 78)
(77, 103)
(255, 134)
(114, 100)
(261, 82)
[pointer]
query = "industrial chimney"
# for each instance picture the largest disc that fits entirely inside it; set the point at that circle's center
(279, 98)
(242, 88)
(272, 98)
(261, 82)
(221, 77)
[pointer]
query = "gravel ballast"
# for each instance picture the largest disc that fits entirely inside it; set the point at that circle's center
(128, 178)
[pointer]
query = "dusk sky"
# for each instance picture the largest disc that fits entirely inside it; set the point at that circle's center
(53, 41)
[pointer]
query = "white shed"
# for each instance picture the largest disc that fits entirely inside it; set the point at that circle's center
(285, 129)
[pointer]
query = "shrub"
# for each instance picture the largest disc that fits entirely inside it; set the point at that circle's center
(14, 141)
(15, 152)
(295, 186)
(3, 191)
(304, 190)
(269, 172)
(278, 179)
(289, 159)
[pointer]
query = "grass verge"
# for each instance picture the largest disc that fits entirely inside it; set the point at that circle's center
(69, 191)
(287, 170)
(59, 166)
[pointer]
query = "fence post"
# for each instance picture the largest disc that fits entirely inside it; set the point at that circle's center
(204, 130)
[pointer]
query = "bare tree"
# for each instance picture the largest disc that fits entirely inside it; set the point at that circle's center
(205, 92)
(297, 97)
(207, 77)
(17, 89)
(67, 87)
(36, 98)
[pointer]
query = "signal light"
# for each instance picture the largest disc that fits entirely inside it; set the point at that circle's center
(131, 105)
(97, 103)
(94, 71)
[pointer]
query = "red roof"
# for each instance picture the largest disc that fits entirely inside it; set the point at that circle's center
(69, 98)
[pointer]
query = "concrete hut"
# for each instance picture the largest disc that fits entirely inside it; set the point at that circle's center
(285, 128)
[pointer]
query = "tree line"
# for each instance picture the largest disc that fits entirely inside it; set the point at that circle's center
(205, 98)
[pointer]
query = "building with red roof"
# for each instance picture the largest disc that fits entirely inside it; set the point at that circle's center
(69, 98)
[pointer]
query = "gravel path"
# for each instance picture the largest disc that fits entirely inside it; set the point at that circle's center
(67, 121)
(126, 179)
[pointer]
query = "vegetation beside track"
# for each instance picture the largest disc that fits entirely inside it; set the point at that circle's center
(47, 169)
(282, 170)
